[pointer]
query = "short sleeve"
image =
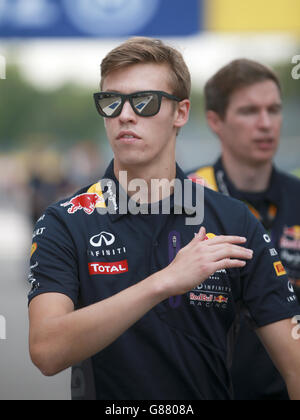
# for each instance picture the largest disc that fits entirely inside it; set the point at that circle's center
(267, 294)
(53, 262)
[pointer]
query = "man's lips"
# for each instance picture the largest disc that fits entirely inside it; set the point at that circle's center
(265, 144)
(128, 136)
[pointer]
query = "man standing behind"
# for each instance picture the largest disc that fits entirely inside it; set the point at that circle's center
(244, 110)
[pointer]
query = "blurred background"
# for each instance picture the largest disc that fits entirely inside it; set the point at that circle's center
(52, 141)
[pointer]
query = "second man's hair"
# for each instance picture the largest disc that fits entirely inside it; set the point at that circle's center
(236, 75)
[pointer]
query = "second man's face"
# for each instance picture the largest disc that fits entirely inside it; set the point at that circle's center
(251, 127)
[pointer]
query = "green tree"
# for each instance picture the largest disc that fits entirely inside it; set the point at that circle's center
(62, 116)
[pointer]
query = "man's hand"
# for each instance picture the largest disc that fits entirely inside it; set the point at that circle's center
(201, 258)
(60, 337)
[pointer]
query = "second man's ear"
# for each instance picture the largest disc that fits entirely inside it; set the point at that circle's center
(214, 121)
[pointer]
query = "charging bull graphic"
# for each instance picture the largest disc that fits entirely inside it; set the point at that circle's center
(290, 253)
(86, 202)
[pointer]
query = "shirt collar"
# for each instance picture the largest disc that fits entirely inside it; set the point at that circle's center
(272, 194)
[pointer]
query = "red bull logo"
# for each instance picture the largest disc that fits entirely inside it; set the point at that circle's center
(33, 249)
(209, 236)
(291, 238)
(86, 202)
(220, 299)
(293, 232)
(202, 297)
(197, 180)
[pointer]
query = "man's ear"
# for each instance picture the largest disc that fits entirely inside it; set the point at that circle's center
(214, 121)
(182, 113)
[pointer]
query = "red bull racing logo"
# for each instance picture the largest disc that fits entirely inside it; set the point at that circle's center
(221, 299)
(209, 300)
(86, 202)
(290, 253)
(291, 238)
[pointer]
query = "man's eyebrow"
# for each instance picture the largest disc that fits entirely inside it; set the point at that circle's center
(276, 105)
(255, 106)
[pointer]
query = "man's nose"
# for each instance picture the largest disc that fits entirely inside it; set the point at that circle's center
(264, 120)
(127, 114)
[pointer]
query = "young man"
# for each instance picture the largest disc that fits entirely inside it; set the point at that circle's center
(244, 109)
(144, 303)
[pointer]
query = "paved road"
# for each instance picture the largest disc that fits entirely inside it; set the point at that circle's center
(19, 379)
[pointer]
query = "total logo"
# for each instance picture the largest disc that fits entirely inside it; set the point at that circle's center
(118, 267)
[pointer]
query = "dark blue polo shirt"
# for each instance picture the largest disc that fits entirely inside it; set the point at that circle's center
(179, 349)
(278, 208)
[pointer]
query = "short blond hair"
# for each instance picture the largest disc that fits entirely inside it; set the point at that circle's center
(139, 50)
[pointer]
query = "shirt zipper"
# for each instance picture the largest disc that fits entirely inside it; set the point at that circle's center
(174, 247)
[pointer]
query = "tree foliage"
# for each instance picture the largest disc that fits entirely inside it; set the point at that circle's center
(65, 115)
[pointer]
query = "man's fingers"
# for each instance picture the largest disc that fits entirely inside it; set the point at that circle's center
(228, 263)
(231, 251)
(222, 239)
(227, 239)
(201, 235)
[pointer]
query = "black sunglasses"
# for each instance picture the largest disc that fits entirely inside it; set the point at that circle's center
(144, 104)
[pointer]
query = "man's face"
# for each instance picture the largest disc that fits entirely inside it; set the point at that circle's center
(250, 130)
(138, 140)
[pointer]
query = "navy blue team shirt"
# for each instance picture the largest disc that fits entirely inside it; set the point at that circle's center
(179, 350)
(278, 209)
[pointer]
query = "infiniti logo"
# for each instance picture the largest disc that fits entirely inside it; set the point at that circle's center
(104, 238)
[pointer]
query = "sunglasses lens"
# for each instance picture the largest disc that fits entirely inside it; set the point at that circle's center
(146, 104)
(110, 105)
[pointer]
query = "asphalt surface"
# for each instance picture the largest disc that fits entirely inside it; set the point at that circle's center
(19, 378)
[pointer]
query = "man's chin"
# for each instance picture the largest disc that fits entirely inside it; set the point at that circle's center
(260, 158)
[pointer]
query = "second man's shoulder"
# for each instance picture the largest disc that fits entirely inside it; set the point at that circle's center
(289, 182)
